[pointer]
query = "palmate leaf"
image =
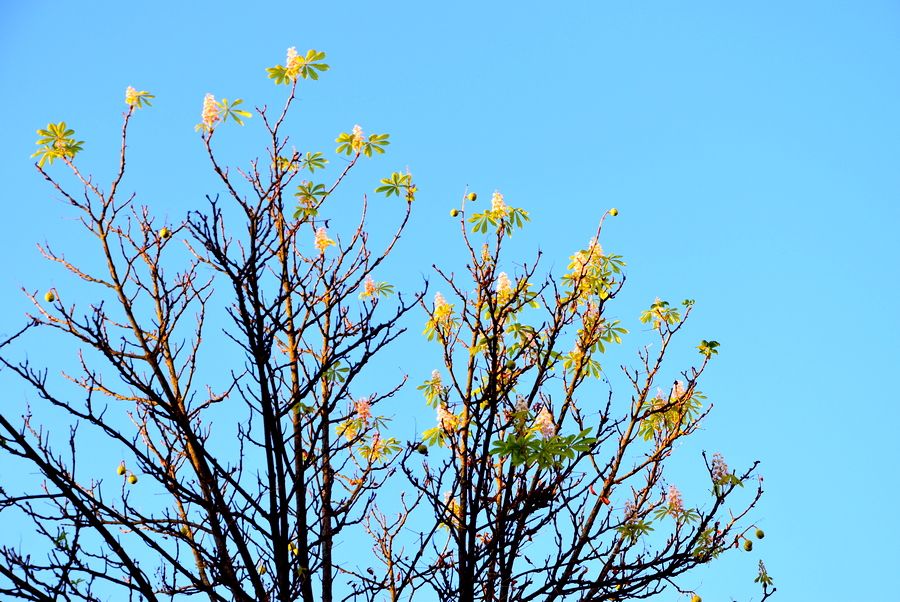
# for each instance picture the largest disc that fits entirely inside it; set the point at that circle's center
(55, 142)
(345, 143)
(349, 144)
(393, 185)
(279, 74)
(313, 161)
(708, 348)
(309, 195)
(375, 143)
(309, 65)
(508, 219)
(482, 221)
(227, 110)
(376, 449)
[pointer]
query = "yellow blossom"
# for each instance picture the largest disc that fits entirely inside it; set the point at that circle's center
(358, 139)
(369, 289)
(137, 99)
(322, 240)
(292, 63)
(582, 260)
(442, 309)
(131, 96)
(498, 205)
(447, 420)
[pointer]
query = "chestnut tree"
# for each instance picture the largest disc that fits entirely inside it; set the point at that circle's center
(227, 358)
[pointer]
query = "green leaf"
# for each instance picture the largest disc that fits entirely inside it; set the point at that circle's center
(313, 161)
(56, 142)
(279, 74)
(228, 110)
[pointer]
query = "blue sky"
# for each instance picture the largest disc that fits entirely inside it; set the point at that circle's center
(751, 148)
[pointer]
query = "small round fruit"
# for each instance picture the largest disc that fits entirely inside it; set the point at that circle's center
(510, 365)
(696, 598)
(454, 212)
(422, 449)
(50, 297)
(132, 479)
(760, 534)
(165, 233)
(120, 470)
(748, 545)
(614, 212)
(471, 197)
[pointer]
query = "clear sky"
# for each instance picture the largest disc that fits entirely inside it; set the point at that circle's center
(751, 148)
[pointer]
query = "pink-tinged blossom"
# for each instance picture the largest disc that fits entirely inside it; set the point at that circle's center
(544, 423)
(436, 378)
(678, 391)
(720, 470)
(210, 113)
(322, 240)
(364, 409)
(676, 506)
(370, 288)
